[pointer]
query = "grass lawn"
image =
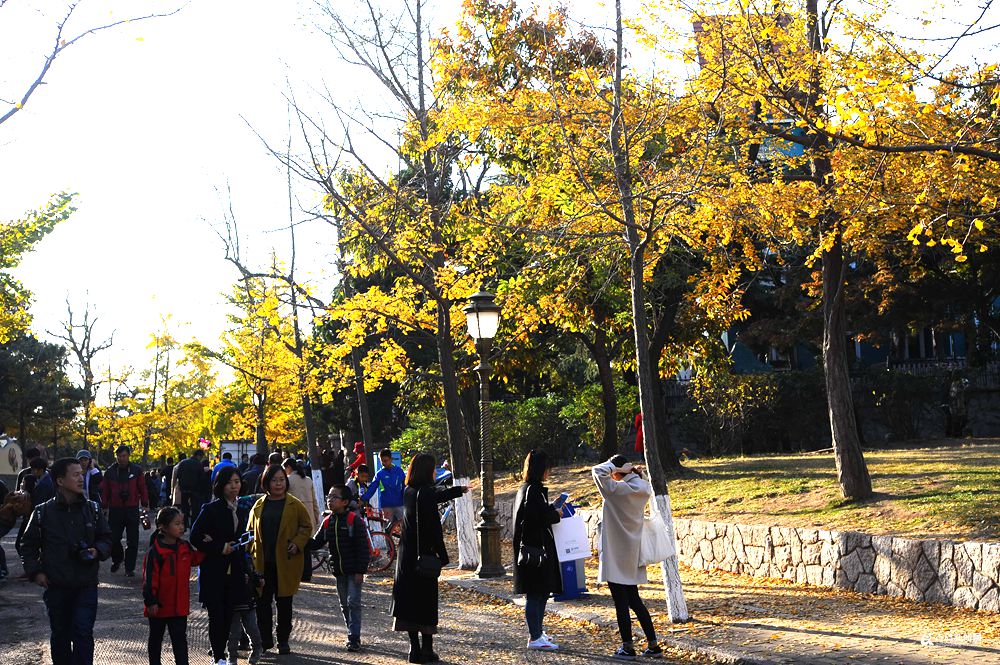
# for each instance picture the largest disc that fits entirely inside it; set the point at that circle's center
(951, 491)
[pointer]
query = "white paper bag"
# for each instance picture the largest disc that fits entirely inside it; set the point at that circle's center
(572, 542)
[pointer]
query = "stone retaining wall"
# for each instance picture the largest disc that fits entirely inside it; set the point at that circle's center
(963, 574)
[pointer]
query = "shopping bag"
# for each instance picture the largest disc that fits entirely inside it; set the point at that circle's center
(656, 544)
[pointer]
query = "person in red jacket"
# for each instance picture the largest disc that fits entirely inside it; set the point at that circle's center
(165, 585)
(124, 492)
(359, 458)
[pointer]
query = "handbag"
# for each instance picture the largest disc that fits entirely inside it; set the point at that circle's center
(529, 556)
(655, 546)
(428, 565)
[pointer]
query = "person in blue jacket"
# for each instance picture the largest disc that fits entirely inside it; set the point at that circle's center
(389, 483)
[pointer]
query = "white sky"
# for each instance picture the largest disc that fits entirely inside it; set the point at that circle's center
(144, 122)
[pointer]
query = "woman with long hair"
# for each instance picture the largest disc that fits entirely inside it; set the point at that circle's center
(281, 527)
(533, 520)
(223, 571)
(415, 592)
(625, 493)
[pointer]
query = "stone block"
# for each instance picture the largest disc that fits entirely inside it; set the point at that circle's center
(947, 577)
(738, 545)
(866, 583)
(697, 561)
(712, 531)
(981, 584)
(777, 536)
(932, 552)
(935, 594)
(782, 557)
(850, 541)
(809, 535)
(800, 574)
(965, 597)
(882, 545)
(796, 553)
(990, 602)
(867, 557)
(991, 562)
(814, 575)
(756, 535)
(893, 589)
(811, 553)
(851, 567)
(907, 551)
(883, 569)
(911, 592)
(705, 549)
(963, 566)
(975, 552)
(828, 575)
(924, 574)
(755, 556)
(719, 549)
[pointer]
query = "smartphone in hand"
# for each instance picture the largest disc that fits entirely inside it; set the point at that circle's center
(558, 503)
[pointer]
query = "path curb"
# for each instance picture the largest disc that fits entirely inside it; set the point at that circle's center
(689, 644)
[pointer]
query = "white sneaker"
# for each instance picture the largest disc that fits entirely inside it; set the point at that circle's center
(548, 639)
(541, 644)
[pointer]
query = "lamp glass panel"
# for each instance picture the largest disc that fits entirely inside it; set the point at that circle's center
(488, 324)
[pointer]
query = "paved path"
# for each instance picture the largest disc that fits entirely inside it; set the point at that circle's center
(474, 629)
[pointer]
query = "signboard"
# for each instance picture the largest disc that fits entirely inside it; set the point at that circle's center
(317, 475)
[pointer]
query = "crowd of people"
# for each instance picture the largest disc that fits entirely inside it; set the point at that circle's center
(252, 525)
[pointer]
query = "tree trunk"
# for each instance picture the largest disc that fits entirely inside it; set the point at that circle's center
(852, 472)
(609, 396)
(676, 605)
(364, 417)
(465, 513)
(661, 332)
(259, 434)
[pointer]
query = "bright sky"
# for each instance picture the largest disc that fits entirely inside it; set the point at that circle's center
(144, 122)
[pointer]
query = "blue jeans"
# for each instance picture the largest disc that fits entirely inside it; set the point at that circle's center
(349, 591)
(534, 613)
(72, 613)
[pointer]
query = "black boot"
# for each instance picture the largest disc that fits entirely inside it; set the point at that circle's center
(415, 655)
(427, 651)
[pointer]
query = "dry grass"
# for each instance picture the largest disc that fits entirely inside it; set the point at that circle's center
(951, 491)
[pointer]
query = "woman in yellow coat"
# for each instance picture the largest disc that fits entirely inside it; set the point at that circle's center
(281, 527)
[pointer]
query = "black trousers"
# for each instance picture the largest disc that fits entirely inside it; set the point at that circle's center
(190, 506)
(626, 596)
(265, 611)
(178, 639)
(220, 622)
(124, 520)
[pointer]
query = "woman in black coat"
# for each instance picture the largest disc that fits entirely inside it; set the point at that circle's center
(415, 597)
(533, 520)
(222, 576)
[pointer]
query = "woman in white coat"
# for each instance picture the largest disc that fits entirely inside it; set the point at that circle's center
(625, 493)
(300, 485)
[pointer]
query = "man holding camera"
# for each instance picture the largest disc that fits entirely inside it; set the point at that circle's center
(124, 492)
(66, 538)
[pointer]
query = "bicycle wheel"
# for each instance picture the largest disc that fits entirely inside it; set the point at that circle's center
(383, 550)
(319, 559)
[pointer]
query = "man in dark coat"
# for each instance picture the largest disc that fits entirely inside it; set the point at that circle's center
(251, 479)
(188, 479)
(125, 492)
(66, 539)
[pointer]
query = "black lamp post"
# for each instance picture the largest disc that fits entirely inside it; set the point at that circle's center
(483, 317)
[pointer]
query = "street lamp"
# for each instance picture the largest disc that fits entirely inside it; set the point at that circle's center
(483, 316)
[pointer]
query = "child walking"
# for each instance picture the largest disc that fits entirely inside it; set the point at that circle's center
(165, 585)
(345, 532)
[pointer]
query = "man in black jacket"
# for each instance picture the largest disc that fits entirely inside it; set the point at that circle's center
(66, 539)
(188, 477)
(346, 534)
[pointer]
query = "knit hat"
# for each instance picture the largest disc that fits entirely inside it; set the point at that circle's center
(84, 454)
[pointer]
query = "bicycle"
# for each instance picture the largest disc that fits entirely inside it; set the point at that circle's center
(384, 547)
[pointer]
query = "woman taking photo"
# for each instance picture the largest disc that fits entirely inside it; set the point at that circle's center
(536, 574)
(625, 493)
(415, 591)
(281, 528)
(222, 571)
(300, 485)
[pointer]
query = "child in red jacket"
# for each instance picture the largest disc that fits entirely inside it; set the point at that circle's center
(166, 585)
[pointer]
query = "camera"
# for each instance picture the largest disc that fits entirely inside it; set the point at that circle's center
(82, 552)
